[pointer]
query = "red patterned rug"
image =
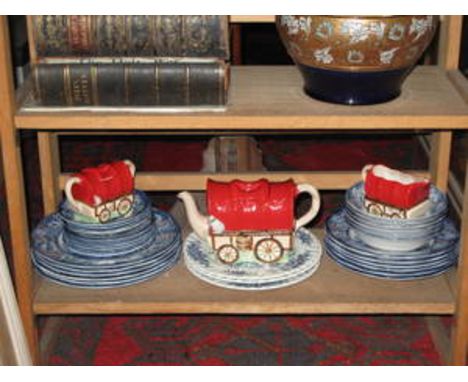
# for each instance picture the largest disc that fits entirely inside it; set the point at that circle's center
(239, 340)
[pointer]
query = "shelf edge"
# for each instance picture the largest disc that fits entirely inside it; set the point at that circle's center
(243, 308)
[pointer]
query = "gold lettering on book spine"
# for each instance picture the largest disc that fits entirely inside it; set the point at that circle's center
(80, 88)
(85, 90)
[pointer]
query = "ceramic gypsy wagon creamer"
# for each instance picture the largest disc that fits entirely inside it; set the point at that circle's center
(394, 194)
(104, 192)
(253, 216)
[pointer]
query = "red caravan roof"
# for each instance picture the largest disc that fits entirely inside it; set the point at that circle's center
(107, 181)
(256, 206)
(394, 193)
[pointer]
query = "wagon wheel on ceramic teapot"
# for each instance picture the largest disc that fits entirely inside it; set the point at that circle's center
(397, 215)
(375, 209)
(124, 206)
(104, 215)
(268, 250)
(228, 254)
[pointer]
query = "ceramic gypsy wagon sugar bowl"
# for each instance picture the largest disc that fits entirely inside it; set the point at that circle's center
(253, 216)
(394, 194)
(394, 210)
(102, 193)
(355, 60)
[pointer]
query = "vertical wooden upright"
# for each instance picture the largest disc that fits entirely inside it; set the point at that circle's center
(460, 330)
(48, 147)
(49, 159)
(448, 57)
(14, 184)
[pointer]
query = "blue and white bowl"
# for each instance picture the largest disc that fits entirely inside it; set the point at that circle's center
(76, 225)
(352, 252)
(394, 233)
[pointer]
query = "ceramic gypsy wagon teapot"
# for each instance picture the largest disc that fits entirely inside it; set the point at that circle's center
(253, 216)
(104, 192)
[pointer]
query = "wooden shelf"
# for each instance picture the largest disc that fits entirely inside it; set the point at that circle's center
(332, 289)
(252, 18)
(271, 98)
(177, 180)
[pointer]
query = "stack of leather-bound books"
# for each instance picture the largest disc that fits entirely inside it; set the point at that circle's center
(155, 62)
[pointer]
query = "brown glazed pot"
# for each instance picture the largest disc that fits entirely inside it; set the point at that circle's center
(355, 60)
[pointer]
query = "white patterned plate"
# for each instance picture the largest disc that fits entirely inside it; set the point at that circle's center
(202, 261)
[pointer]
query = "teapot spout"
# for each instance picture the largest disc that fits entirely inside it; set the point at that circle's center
(198, 222)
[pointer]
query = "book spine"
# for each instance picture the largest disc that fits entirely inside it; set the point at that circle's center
(127, 84)
(157, 36)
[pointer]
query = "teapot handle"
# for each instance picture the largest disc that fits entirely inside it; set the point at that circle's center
(315, 204)
(68, 187)
(131, 166)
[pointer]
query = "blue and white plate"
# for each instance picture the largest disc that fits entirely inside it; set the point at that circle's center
(294, 266)
(54, 259)
(347, 249)
(110, 283)
(255, 285)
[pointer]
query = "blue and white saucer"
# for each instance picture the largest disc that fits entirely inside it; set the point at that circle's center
(345, 246)
(294, 267)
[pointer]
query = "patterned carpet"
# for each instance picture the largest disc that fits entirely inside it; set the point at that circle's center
(231, 340)
(238, 340)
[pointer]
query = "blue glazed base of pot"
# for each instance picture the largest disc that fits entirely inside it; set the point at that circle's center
(353, 88)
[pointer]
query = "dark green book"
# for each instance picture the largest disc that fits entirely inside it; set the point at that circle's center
(132, 82)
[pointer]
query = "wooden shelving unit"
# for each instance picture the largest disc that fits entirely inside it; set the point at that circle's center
(271, 98)
(262, 99)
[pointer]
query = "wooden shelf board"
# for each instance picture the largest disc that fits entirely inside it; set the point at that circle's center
(252, 18)
(332, 289)
(175, 181)
(265, 98)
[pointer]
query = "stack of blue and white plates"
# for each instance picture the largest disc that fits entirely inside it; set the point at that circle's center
(247, 273)
(119, 253)
(392, 248)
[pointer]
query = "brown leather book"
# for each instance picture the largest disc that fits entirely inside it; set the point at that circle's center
(131, 82)
(124, 36)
